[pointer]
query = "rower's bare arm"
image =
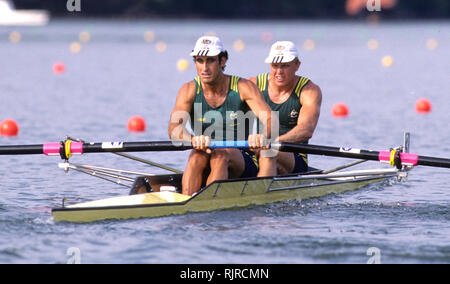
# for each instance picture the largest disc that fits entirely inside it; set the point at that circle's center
(180, 113)
(311, 101)
(254, 99)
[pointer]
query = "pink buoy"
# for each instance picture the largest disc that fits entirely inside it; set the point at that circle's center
(423, 106)
(59, 68)
(9, 127)
(136, 124)
(340, 110)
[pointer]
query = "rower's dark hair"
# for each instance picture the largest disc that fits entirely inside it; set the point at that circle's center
(222, 55)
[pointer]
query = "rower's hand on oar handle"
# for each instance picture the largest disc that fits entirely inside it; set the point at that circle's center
(201, 143)
(258, 142)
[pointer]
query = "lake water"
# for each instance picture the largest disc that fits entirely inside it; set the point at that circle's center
(118, 74)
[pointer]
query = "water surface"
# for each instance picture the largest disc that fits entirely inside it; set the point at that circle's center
(118, 74)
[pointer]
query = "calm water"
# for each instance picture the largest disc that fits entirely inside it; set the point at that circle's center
(118, 74)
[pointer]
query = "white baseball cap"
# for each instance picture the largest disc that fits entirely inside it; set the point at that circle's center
(282, 52)
(208, 46)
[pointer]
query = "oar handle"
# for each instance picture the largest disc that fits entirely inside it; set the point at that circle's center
(228, 144)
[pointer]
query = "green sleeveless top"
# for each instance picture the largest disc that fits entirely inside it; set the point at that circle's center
(290, 109)
(230, 121)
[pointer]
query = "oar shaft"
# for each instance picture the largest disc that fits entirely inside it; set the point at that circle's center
(21, 150)
(78, 148)
(382, 156)
(433, 162)
(133, 147)
(68, 148)
(328, 151)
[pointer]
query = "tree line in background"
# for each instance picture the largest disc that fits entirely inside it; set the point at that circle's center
(253, 9)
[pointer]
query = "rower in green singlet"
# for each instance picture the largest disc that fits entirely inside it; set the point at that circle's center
(297, 101)
(216, 104)
(231, 114)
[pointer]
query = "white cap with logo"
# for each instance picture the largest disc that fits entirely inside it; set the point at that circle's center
(208, 46)
(282, 52)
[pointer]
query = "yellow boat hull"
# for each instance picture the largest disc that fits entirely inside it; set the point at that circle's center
(217, 196)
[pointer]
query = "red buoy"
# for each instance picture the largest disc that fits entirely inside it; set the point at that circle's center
(340, 110)
(59, 68)
(423, 106)
(136, 124)
(9, 127)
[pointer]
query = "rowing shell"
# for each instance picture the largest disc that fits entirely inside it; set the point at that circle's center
(235, 193)
(147, 199)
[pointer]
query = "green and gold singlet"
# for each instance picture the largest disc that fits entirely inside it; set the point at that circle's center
(290, 109)
(230, 121)
(288, 113)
